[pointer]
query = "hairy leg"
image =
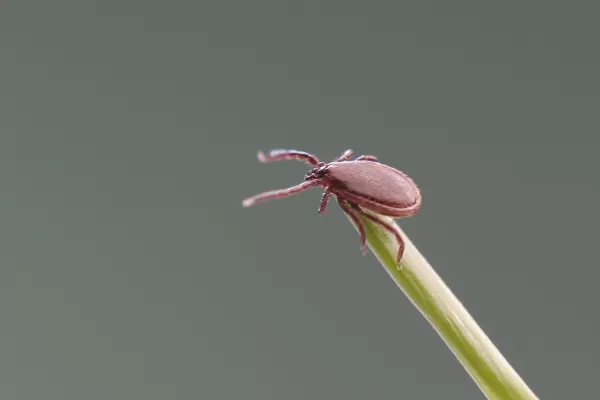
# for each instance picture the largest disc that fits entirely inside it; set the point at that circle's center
(345, 156)
(324, 200)
(277, 194)
(280, 154)
(366, 158)
(386, 226)
(354, 214)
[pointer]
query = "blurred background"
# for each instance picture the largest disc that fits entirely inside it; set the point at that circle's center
(129, 131)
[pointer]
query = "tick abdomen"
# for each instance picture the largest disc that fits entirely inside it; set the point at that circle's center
(377, 181)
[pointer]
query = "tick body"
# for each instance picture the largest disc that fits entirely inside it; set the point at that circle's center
(359, 185)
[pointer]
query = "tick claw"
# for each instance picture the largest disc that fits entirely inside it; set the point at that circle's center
(363, 248)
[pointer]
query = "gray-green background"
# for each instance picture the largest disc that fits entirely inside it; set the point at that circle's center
(129, 132)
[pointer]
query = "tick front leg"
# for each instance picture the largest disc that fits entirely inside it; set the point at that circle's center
(345, 156)
(386, 226)
(280, 154)
(277, 194)
(324, 200)
(361, 226)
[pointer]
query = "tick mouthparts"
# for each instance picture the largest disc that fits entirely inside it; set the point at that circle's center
(261, 157)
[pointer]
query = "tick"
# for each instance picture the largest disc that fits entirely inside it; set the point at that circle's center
(359, 185)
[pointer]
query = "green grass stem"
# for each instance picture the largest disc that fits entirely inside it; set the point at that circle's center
(426, 290)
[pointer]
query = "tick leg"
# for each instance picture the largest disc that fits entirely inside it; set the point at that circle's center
(366, 158)
(386, 226)
(361, 226)
(345, 156)
(280, 154)
(324, 200)
(276, 194)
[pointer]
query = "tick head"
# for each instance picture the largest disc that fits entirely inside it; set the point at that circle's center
(316, 173)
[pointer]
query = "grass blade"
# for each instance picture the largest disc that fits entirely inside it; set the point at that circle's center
(417, 279)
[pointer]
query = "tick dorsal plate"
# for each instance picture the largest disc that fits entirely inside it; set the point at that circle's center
(378, 181)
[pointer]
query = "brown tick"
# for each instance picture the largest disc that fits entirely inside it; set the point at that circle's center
(358, 185)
